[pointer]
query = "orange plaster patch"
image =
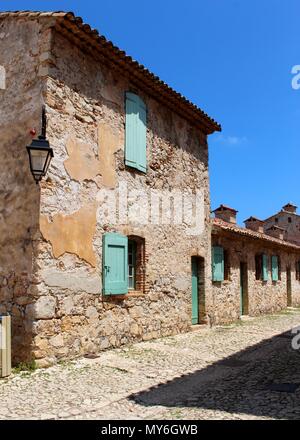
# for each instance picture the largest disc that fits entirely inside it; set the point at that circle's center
(72, 233)
(108, 143)
(82, 163)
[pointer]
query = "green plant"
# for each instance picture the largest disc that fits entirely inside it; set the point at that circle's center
(28, 367)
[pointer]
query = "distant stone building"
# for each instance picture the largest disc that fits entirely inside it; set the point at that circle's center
(288, 220)
(75, 280)
(254, 269)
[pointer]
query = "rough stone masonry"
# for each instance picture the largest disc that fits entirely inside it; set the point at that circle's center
(52, 257)
(51, 235)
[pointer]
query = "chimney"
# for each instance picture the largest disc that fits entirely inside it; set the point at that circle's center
(289, 207)
(276, 232)
(255, 224)
(226, 214)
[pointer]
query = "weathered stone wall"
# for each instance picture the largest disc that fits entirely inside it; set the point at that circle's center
(86, 127)
(263, 296)
(22, 47)
(51, 236)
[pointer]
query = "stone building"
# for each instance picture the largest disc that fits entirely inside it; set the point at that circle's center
(254, 270)
(288, 220)
(82, 265)
(116, 243)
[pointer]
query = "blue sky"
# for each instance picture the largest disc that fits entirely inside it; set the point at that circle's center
(233, 58)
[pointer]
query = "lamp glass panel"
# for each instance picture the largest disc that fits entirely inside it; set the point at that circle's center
(47, 163)
(38, 160)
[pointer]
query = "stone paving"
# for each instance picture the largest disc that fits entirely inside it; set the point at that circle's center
(221, 373)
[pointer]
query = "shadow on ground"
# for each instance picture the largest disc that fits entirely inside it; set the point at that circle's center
(262, 380)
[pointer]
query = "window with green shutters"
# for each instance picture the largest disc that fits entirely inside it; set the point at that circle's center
(132, 245)
(135, 132)
(217, 263)
(115, 264)
(265, 274)
(258, 266)
(275, 268)
(297, 271)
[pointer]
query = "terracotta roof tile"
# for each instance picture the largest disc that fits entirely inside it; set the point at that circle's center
(251, 234)
(289, 205)
(73, 24)
(31, 14)
(253, 219)
(225, 207)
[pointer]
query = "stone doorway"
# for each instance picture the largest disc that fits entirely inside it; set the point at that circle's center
(289, 286)
(243, 289)
(198, 293)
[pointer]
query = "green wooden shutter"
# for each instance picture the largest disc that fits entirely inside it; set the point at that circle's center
(275, 268)
(265, 274)
(142, 137)
(136, 130)
(115, 267)
(217, 263)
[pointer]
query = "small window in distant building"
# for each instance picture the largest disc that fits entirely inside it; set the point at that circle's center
(276, 220)
(290, 219)
(258, 266)
(297, 270)
(261, 267)
(226, 265)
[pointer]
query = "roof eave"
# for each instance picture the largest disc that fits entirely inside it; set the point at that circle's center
(271, 240)
(67, 21)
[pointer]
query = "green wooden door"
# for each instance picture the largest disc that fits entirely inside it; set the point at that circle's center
(195, 285)
(289, 286)
(242, 289)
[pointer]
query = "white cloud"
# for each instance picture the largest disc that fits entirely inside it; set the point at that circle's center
(231, 140)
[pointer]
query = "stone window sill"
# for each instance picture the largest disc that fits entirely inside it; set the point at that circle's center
(134, 293)
(220, 283)
(130, 294)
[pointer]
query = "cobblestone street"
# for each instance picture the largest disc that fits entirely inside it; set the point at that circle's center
(243, 371)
